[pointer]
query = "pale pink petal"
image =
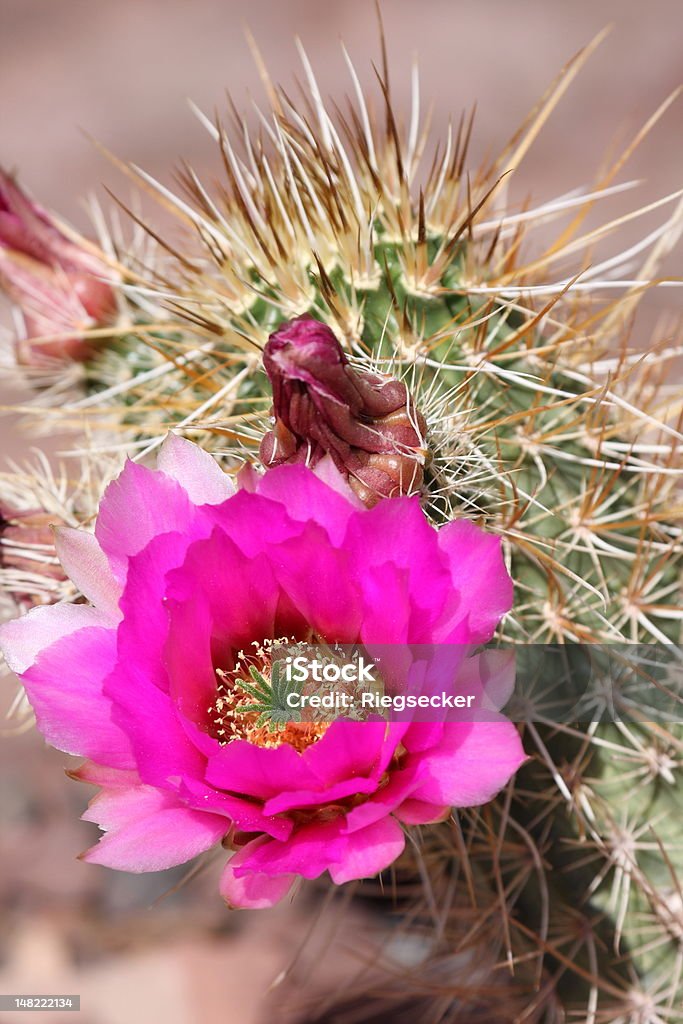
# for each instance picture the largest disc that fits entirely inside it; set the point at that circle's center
(84, 562)
(195, 470)
(149, 830)
(65, 688)
(326, 471)
(103, 775)
(119, 805)
(22, 639)
(489, 677)
(418, 812)
(247, 479)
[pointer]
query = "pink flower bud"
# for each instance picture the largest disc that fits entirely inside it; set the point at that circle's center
(56, 283)
(27, 546)
(322, 405)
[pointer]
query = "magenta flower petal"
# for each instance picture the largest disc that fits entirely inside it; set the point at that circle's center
(306, 497)
(258, 772)
(396, 533)
(246, 815)
(152, 723)
(387, 615)
(395, 540)
(419, 812)
(143, 632)
(400, 787)
(302, 798)
(252, 891)
(473, 761)
(321, 847)
(237, 594)
(137, 507)
(369, 851)
(353, 750)
(254, 523)
(318, 580)
(478, 571)
(187, 657)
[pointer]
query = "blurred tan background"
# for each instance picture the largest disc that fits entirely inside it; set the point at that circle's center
(123, 71)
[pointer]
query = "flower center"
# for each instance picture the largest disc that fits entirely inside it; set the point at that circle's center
(250, 702)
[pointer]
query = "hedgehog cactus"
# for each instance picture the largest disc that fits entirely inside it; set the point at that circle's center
(541, 423)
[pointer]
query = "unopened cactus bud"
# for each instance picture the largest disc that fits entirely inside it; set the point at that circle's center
(323, 405)
(57, 284)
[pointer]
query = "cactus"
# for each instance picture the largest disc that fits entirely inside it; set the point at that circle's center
(542, 424)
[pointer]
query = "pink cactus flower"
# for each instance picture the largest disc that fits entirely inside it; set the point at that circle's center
(182, 574)
(57, 284)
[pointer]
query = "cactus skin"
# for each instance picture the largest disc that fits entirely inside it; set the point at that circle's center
(542, 425)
